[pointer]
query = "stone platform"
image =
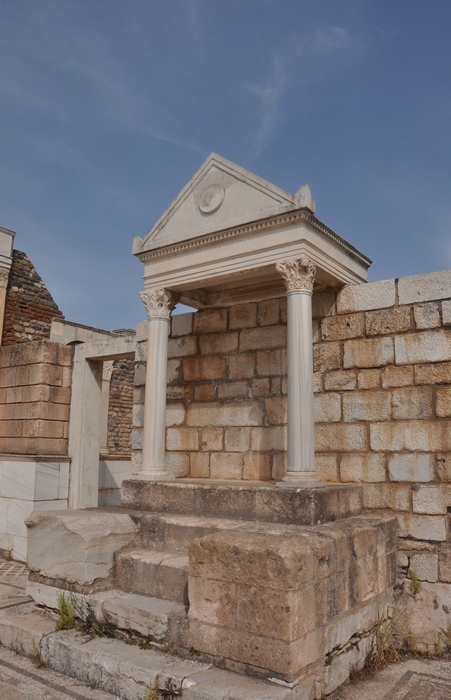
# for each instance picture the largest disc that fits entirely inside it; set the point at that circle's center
(282, 585)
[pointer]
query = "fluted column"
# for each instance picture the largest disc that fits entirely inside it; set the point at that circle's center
(159, 304)
(299, 276)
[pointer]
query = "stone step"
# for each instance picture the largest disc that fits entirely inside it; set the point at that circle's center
(147, 616)
(241, 501)
(130, 673)
(156, 573)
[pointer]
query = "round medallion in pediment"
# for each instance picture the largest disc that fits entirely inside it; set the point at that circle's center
(211, 198)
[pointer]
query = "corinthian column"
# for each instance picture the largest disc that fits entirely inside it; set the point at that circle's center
(159, 304)
(299, 276)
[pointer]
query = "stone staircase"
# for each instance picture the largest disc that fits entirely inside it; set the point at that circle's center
(281, 584)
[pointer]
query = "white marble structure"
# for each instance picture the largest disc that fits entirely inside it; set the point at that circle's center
(232, 237)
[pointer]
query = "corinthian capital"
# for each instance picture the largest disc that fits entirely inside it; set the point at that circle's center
(158, 302)
(297, 274)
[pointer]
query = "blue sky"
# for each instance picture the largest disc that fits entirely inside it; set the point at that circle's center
(108, 107)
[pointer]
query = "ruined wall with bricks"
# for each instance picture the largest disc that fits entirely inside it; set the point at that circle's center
(29, 306)
(120, 408)
(35, 389)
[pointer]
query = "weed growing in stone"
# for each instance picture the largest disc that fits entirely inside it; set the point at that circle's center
(384, 648)
(169, 692)
(36, 657)
(415, 584)
(66, 612)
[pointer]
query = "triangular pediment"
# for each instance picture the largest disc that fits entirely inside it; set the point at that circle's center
(219, 196)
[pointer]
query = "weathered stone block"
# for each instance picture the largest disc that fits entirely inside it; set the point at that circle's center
(397, 376)
(175, 414)
(372, 352)
(443, 405)
(369, 379)
(433, 374)
(242, 365)
(436, 285)
(369, 406)
(430, 346)
(204, 392)
(326, 356)
(323, 303)
(366, 467)
(272, 363)
(226, 465)
(327, 408)
(77, 546)
(173, 370)
(233, 390)
(204, 368)
(212, 601)
(211, 439)
(210, 321)
(446, 312)
(257, 466)
(423, 527)
(199, 465)
(182, 439)
(263, 387)
(365, 297)
(237, 439)
(267, 337)
(265, 439)
(326, 466)
(427, 316)
(269, 312)
(422, 436)
(343, 380)
(243, 316)
(388, 321)
(424, 566)
(444, 562)
(341, 327)
(412, 402)
(181, 347)
(338, 437)
(218, 343)
(396, 497)
(443, 466)
(177, 463)
(411, 467)
(431, 500)
(276, 410)
(181, 324)
(242, 413)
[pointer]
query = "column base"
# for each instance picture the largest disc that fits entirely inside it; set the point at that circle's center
(300, 480)
(154, 475)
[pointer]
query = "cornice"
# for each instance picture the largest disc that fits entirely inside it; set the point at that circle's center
(259, 225)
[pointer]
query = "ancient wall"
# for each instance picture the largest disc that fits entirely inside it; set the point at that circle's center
(35, 388)
(29, 307)
(120, 408)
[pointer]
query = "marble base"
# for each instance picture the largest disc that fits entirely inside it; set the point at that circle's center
(301, 480)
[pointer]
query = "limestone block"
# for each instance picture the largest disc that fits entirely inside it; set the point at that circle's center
(412, 402)
(198, 368)
(240, 413)
(326, 466)
(269, 312)
(272, 363)
(181, 324)
(199, 465)
(177, 463)
(368, 406)
(446, 312)
(182, 439)
(411, 467)
(77, 546)
(181, 347)
(137, 438)
(326, 356)
(317, 382)
(443, 398)
(443, 467)
(421, 435)
(369, 379)
(425, 615)
(338, 437)
(427, 316)
(262, 387)
(323, 303)
(40, 352)
(388, 321)
(343, 380)
(396, 497)
(243, 316)
(179, 392)
(372, 352)
(433, 374)
(211, 439)
(265, 439)
(46, 374)
(397, 376)
(341, 327)
(444, 561)
(276, 410)
(226, 465)
(242, 365)
(237, 439)
(23, 634)
(424, 566)
(210, 321)
(431, 500)
(429, 346)
(316, 332)
(212, 601)
(422, 527)
(257, 466)
(436, 285)
(266, 337)
(175, 414)
(366, 467)
(327, 408)
(233, 390)
(173, 370)
(402, 560)
(218, 343)
(365, 297)
(279, 466)
(204, 392)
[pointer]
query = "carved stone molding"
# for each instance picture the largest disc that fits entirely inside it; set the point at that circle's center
(158, 302)
(107, 370)
(4, 275)
(297, 274)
